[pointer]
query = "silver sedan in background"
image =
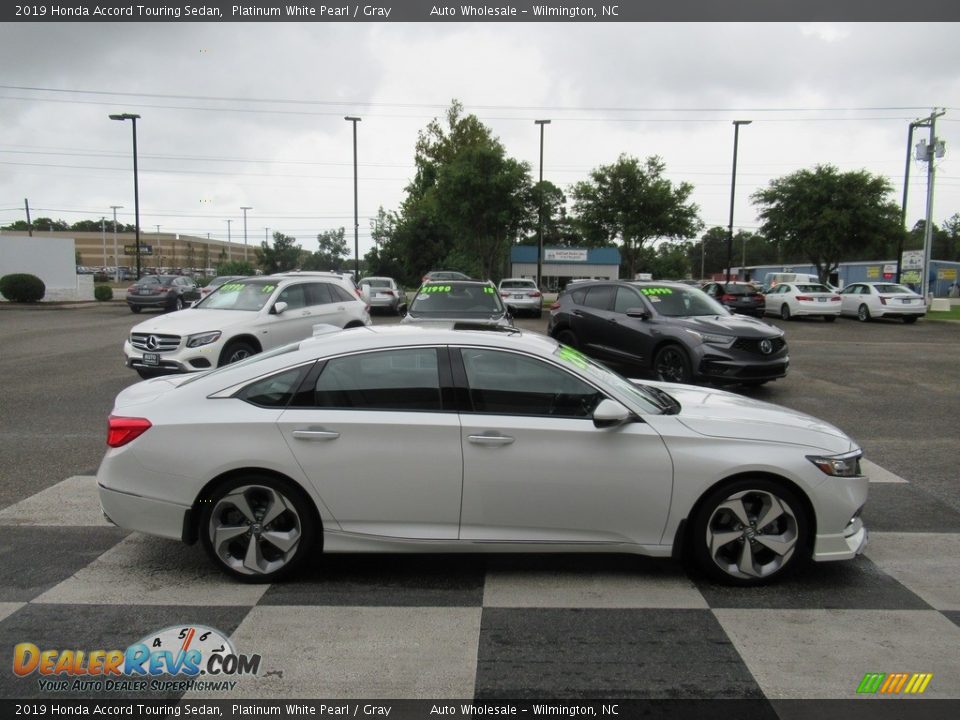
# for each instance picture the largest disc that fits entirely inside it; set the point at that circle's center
(430, 439)
(384, 293)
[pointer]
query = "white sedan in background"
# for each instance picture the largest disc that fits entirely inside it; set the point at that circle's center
(868, 300)
(793, 299)
(408, 438)
(521, 295)
(384, 293)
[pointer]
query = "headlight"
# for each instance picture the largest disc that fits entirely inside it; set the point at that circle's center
(845, 465)
(202, 339)
(712, 339)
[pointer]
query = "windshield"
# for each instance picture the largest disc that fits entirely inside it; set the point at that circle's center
(249, 295)
(652, 400)
(681, 301)
(448, 300)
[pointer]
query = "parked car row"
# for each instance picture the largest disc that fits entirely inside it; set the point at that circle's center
(789, 298)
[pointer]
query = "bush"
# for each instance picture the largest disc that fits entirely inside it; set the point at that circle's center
(103, 292)
(21, 287)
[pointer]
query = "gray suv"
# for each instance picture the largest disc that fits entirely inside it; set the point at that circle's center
(671, 331)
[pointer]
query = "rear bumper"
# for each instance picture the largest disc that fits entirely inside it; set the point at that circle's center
(134, 512)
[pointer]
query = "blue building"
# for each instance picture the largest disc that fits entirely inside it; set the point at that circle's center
(943, 273)
(562, 264)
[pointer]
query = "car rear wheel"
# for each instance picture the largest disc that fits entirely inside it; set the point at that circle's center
(750, 532)
(909, 319)
(567, 337)
(236, 351)
(135, 309)
(785, 312)
(829, 318)
(863, 313)
(257, 528)
(672, 365)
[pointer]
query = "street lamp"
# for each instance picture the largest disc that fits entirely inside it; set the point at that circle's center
(116, 269)
(136, 188)
(733, 186)
(245, 208)
(541, 123)
(356, 218)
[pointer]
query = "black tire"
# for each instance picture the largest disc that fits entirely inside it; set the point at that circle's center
(671, 364)
(177, 305)
(784, 312)
(293, 526)
(863, 313)
(567, 337)
(135, 309)
(909, 319)
(236, 351)
(538, 313)
(829, 318)
(726, 562)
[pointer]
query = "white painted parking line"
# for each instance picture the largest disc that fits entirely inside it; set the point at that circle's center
(71, 503)
(878, 475)
(9, 608)
(928, 564)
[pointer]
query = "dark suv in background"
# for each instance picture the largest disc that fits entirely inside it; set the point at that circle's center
(671, 331)
(741, 297)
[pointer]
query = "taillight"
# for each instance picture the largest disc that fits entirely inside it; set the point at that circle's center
(122, 430)
(835, 298)
(728, 298)
(555, 306)
(804, 298)
(536, 293)
(883, 300)
(504, 295)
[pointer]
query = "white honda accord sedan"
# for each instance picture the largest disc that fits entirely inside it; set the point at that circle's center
(435, 439)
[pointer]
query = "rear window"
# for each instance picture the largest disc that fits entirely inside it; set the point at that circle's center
(813, 288)
(527, 284)
(892, 288)
(376, 282)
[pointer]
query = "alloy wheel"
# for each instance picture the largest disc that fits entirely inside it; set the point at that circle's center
(752, 534)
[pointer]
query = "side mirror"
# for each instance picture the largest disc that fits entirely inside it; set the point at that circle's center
(609, 414)
(638, 313)
(278, 308)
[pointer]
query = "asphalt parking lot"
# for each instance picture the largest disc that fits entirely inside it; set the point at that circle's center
(488, 627)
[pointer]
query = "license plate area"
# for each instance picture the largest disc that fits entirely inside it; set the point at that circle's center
(152, 359)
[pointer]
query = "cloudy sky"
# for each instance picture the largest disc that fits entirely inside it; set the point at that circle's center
(252, 114)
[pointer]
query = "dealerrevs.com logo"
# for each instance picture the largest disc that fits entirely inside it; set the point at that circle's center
(184, 652)
(894, 683)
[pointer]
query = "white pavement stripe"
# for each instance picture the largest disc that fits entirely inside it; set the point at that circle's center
(878, 475)
(927, 564)
(144, 570)
(71, 503)
(9, 608)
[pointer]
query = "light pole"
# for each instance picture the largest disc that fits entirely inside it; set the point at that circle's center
(159, 252)
(356, 217)
(116, 269)
(903, 207)
(245, 208)
(541, 123)
(136, 187)
(733, 186)
(103, 238)
(229, 241)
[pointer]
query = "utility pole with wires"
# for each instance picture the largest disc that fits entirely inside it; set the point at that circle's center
(928, 151)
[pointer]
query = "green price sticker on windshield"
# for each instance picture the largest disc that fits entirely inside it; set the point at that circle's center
(572, 356)
(231, 287)
(656, 291)
(436, 289)
(268, 288)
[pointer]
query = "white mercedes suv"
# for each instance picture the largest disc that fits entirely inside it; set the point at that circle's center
(241, 318)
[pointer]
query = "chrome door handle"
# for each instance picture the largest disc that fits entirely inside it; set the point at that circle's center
(315, 434)
(490, 440)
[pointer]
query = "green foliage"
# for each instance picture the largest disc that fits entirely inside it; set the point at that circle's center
(91, 225)
(827, 216)
(235, 267)
(466, 205)
(22, 288)
(666, 261)
(331, 253)
(103, 292)
(281, 256)
(634, 203)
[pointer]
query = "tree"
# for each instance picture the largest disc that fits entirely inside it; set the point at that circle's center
(234, 267)
(331, 253)
(666, 261)
(91, 225)
(827, 216)
(633, 203)
(281, 256)
(559, 229)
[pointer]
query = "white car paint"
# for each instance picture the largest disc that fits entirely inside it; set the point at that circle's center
(793, 299)
(868, 300)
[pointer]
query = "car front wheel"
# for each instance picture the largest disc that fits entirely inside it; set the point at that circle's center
(257, 528)
(750, 532)
(235, 352)
(863, 313)
(672, 365)
(784, 312)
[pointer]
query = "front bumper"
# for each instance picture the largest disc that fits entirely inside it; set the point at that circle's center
(174, 361)
(737, 366)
